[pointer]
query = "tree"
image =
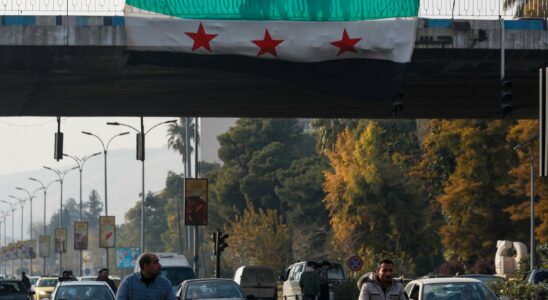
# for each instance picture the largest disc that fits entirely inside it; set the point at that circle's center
(92, 210)
(327, 131)
(528, 8)
(258, 237)
(177, 135)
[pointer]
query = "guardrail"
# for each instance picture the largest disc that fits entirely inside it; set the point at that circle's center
(428, 8)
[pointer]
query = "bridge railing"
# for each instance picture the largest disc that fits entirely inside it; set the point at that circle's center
(458, 9)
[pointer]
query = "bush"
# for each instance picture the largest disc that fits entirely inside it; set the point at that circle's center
(517, 289)
(347, 289)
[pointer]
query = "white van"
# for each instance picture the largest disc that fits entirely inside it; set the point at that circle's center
(258, 281)
(175, 268)
(291, 288)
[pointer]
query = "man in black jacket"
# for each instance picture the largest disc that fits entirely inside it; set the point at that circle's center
(103, 276)
(25, 280)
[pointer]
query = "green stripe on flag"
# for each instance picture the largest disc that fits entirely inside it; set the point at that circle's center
(292, 10)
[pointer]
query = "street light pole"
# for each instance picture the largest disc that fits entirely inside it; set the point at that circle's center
(5, 215)
(80, 162)
(105, 151)
(13, 209)
(45, 189)
(532, 179)
(22, 202)
(141, 149)
(30, 228)
(61, 175)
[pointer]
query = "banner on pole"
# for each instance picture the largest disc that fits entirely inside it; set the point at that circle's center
(44, 245)
(13, 251)
(80, 236)
(195, 201)
(31, 249)
(61, 240)
(107, 232)
(126, 257)
(20, 249)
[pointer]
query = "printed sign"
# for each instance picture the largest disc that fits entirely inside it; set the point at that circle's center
(61, 240)
(12, 251)
(195, 201)
(126, 257)
(80, 236)
(30, 249)
(355, 263)
(107, 227)
(21, 249)
(44, 245)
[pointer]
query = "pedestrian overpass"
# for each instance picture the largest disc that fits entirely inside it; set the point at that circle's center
(70, 58)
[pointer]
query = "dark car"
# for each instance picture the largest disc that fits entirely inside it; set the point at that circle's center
(14, 290)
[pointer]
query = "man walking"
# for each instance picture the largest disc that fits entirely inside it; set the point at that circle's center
(103, 276)
(146, 284)
(310, 282)
(25, 280)
(383, 286)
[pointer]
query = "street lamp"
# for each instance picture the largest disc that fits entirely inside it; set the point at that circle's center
(45, 189)
(13, 207)
(30, 199)
(80, 162)
(532, 160)
(5, 215)
(105, 151)
(22, 203)
(141, 156)
(61, 175)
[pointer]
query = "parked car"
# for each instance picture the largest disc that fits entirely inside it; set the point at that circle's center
(537, 276)
(258, 281)
(84, 290)
(451, 288)
(14, 290)
(44, 287)
(212, 288)
(483, 277)
(291, 288)
(175, 268)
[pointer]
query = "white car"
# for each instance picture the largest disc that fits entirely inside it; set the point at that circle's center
(450, 288)
(212, 288)
(96, 290)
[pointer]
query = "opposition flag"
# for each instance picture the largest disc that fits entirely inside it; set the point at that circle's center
(294, 30)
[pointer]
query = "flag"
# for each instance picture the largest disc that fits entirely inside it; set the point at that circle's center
(332, 38)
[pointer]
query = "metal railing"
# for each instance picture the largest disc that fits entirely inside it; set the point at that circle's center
(470, 9)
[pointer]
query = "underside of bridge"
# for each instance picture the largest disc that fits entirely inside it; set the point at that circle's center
(108, 81)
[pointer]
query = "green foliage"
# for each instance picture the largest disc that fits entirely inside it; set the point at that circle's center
(347, 289)
(517, 289)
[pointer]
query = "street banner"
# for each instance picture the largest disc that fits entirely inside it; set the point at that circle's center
(107, 232)
(61, 240)
(30, 249)
(195, 201)
(44, 245)
(12, 251)
(80, 236)
(126, 257)
(20, 249)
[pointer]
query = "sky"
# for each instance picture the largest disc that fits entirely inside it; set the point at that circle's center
(28, 145)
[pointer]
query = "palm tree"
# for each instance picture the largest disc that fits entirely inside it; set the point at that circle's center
(176, 139)
(327, 131)
(528, 8)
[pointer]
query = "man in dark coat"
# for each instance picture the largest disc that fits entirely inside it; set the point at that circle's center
(103, 276)
(25, 280)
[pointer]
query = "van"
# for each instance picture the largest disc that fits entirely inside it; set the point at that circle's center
(292, 275)
(175, 268)
(258, 281)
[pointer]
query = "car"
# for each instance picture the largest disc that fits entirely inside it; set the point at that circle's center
(211, 288)
(450, 288)
(44, 287)
(258, 281)
(33, 280)
(291, 288)
(483, 277)
(83, 290)
(175, 268)
(537, 276)
(14, 290)
(87, 278)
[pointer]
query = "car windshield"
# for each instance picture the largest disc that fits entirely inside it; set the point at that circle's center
(177, 274)
(541, 276)
(258, 275)
(335, 272)
(11, 287)
(212, 289)
(84, 292)
(47, 282)
(461, 290)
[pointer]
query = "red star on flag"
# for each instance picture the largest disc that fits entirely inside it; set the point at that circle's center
(346, 44)
(201, 38)
(267, 44)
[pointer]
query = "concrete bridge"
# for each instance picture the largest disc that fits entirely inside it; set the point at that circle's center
(80, 64)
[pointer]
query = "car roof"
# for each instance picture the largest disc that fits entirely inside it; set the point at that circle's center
(208, 279)
(49, 277)
(87, 283)
(446, 280)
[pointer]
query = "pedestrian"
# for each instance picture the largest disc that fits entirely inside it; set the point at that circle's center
(324, 280)
(310, 282)
(146, 284)
(103, 276)
(65, 276)
(383, 286)
(25, 280)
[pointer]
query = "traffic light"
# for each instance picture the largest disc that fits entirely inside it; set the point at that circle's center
(214, 237)
(505, 97)
(221, 242)
(140, 146)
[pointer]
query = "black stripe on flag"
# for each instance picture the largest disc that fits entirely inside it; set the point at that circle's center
(543, 147)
